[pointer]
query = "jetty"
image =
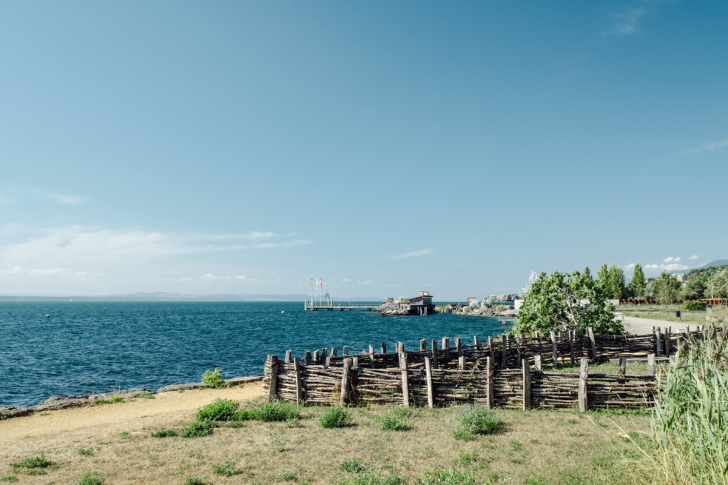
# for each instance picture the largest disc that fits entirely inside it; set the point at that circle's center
(331, 306)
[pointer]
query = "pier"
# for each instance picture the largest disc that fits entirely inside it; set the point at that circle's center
(331, 306)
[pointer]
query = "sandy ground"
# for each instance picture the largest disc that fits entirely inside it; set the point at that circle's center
(641, 326)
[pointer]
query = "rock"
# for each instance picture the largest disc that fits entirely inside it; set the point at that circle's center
(7, 412)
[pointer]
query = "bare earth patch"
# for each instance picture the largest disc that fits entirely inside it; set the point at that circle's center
(534, 447)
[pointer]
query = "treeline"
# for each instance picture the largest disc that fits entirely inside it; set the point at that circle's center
(701, 283)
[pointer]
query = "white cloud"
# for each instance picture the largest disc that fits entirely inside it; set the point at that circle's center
(630, 266)
(83, 274)
(241, 277)
(667, 267)
(209, 277)
(627, 22)
(693, 257)
(411, 254)
(707, 147)
(670, 259)
(365, 282)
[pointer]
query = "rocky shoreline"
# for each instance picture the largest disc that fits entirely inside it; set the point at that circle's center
(55, 403)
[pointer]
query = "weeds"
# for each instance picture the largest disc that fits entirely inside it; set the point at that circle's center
(449, 476)
(194, 481)
(91, 479)
(396, 419)
(474, 420)
(165, 433)
(336, 417)
(197, 429)
(146, 395)
(369, 478)
(277, 443)
(269, 412)
(85, 451)
(352, 466)
(213, 378)
(111, 400)
(226, 470)
(35, 463)
(288, 476)
(9, 478)
(220, 410)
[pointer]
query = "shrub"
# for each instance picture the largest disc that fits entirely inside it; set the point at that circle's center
(335, 417)
(449, 476)
(194, 481)
(473, 420)
(694, 306)
(352, 466)
(36, 462)
(220, 410)
(226, 470)
(396, 419)
(165, 433)
(213, 379)
(197, 430)
(271, 411)
(91, 479)
(111, 400)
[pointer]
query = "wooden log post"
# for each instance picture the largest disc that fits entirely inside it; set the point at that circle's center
(405, 379)
(345, 377)
(272, 390)
(476, 343)
(491, 349)
(554, 349)
(583, 388)
(434, 353)
(572, 337)
(324, 354)
(316, 357)
(371, 356)
(299, 385)
(458, 346)
(423, 345)
(593, 342)
(461, 362)
(668, 336)
(504, 339)
(651, 365)
(622, 366)
(308, 357)
(526, 384)
(334, 352)
(355, 362)
(428, 377)
(287, 359)
(346, 350)
(490, 394)
(537, 362)
(384, 347)
(445, 344)
(658, 342)
(398, 347)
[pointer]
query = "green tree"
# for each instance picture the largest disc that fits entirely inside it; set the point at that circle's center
(603, 277)
(695, 288)
(587, 273)
(615, 283)
(717, 285)
(639, 285)
(667, 287)
(563, 301)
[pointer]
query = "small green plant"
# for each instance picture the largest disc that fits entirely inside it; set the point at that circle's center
(213, 378)
(449, 476)
(466, 458)
(396, 419)
(293, 423)
(165, 433)
(269, 412)
(194, 481)
(288, 476)
(91, 479)
(35, 463)
(111, 400)
(516, 445)
(124, 434)
(197, 429)
(234, 424)
(474, 420)
(352, 466)
(572, 421)
(226, 470)
(369, 478)
(146, 395)
(220, 410)
(10, 478)
(533, 481)
(336, 417)
(518, 461)
(86, 451)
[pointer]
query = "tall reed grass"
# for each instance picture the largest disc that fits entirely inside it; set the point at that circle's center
(690, 420)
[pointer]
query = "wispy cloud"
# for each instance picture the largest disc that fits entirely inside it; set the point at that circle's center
(667, 267)
(693, 257)
(670, 259)
(707, 147)
(627, 22)
(411, 254)
(17, 196)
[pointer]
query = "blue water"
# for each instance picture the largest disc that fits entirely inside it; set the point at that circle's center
(94, 347)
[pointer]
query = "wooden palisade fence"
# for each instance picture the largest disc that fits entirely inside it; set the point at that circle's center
(504, 372)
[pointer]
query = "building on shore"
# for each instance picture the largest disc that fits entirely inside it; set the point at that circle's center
(420, 305)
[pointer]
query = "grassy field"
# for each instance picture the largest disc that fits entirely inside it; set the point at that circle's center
(662, 312)
(531, 447)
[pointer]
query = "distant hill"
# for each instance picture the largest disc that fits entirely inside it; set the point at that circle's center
(158, 296)
(712, 264)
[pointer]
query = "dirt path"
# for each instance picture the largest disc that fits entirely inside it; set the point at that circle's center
(642, 326)
(135, 414)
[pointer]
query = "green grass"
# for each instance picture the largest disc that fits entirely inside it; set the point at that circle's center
(197, 429)
(146, 395)
(352, 466)
(225, 470)
(220, 410)
(86, 451)
(91, 479)
(213, 378)
(449, 476)
(270, 412)
(474, 420)
(9, 478)
(396, 419)
(111, 400)
(335, 417)
(370, 478)
(35, 463)
(194, 481)
(288, 476)
(165, 433)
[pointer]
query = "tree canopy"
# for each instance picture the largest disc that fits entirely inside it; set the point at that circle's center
(638, 283)
(667, 287)
(562, 301)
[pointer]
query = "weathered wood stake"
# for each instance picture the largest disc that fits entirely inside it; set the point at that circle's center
(316, 357)
(288, 357)
(583, 389)
(423, 345)
(491, 349)
(554, 351)
(346, 350)
(651, 365)
(489, 400)
(384, 347)
(308, 357)
(537, 362)
(658, 343)
(461, 362)
(526, 384)
(299, 386)
(476, 343)
(273, 391)
(428, 377)
(345, 381)
(434, 353)
(572, 337)
(504, 339)
(405, 379)
(593, 342)
(622, 366)
(458, 346)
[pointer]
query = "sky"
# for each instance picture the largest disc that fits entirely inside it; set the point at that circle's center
(386, 147)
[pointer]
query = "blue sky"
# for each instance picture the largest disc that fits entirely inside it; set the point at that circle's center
(388, 147)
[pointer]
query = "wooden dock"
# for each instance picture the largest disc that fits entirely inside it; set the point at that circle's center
(308, 306)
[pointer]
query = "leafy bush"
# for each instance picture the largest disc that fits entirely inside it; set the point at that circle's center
(271, 411)
(165, 433)
(396, 419)
(694, 306)
(35, 462)
(352, 466)
(473, 420)
(197, 430)
(91, 479)
(449, 476)
(214, 379)
(220, 410)
(194, 481)
(335, 417)
(226, 470)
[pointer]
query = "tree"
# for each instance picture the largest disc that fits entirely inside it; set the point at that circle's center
(639, 285)
(695, 288)
(615, 283)
(561, 301)
(587, 273)
(603, 277)
(667, 287)
(717, 285)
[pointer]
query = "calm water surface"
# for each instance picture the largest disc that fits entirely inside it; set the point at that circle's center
(94, 347)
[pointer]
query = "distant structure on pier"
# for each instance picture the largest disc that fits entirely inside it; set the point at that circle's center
(420, 305)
